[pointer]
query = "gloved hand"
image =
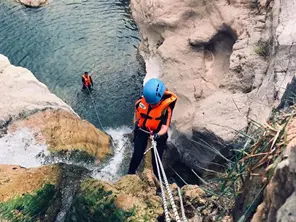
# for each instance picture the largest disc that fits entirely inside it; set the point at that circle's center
(156, 136)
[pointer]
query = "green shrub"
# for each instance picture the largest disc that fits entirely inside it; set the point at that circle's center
(30, 207)
(94, 204)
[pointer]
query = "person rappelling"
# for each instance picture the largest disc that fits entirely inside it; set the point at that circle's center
(153, 114)
(87, 82)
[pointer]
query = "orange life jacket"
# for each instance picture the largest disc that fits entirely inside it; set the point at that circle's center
(150, 118)
(87, 81)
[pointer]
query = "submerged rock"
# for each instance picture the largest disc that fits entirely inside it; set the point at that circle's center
(33, 3)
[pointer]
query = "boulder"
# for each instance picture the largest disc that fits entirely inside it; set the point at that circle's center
(33, 3)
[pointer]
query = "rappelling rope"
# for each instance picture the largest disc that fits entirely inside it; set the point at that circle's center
(182, 206)
(171, 198)
(96, 111)
(165, 207)
(97, 114)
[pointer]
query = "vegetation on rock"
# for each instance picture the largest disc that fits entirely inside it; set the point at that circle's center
(29, 207)
(94, 203)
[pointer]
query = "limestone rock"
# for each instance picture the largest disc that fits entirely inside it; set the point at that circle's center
(193, 192)
(130, 192)
(228, 62)
(22, 94)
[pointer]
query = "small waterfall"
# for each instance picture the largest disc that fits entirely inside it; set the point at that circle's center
(118, 164)
(21, 148)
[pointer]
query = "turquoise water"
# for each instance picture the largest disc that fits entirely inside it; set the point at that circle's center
(60, 41)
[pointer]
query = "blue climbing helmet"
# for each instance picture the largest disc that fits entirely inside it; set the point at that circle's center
(153, 91)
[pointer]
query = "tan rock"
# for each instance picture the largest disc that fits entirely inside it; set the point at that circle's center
(33, 3)
(131, 191)
(16, 181)
(148, 177)
(193, 192)
(62, 130)
(125, 202)
(131, 184)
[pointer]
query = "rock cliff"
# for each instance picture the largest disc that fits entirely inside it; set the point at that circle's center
(228, 61)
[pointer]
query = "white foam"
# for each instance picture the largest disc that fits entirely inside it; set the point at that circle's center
(111, 172)
(20, 148)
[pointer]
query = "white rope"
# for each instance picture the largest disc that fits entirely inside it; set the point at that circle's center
(166, 212)
(97, 114)
(166, 182)
(182, 206)
(96, 111)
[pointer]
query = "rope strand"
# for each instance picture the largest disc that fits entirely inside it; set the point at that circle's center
(96, 111)
(166, 212)
(166, 183)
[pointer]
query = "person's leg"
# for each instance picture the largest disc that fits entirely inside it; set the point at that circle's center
(83, 87)
(161, 146)
(140, 143)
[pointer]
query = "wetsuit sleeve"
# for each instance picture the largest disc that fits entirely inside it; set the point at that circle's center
(166, 120)
(82, 79)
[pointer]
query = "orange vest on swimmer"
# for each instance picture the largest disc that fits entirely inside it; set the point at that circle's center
(150, 118)
(87, 81)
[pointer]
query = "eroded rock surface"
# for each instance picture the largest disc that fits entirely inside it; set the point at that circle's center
(222, 59)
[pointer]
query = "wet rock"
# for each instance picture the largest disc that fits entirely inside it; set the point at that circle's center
(130, 193)
(62, 130)
(194, 193)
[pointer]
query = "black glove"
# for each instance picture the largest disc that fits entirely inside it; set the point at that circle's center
(156, 136)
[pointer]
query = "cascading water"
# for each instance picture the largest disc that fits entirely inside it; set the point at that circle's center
(117, 165)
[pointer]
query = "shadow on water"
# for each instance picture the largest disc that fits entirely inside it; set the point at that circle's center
(64, 39)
